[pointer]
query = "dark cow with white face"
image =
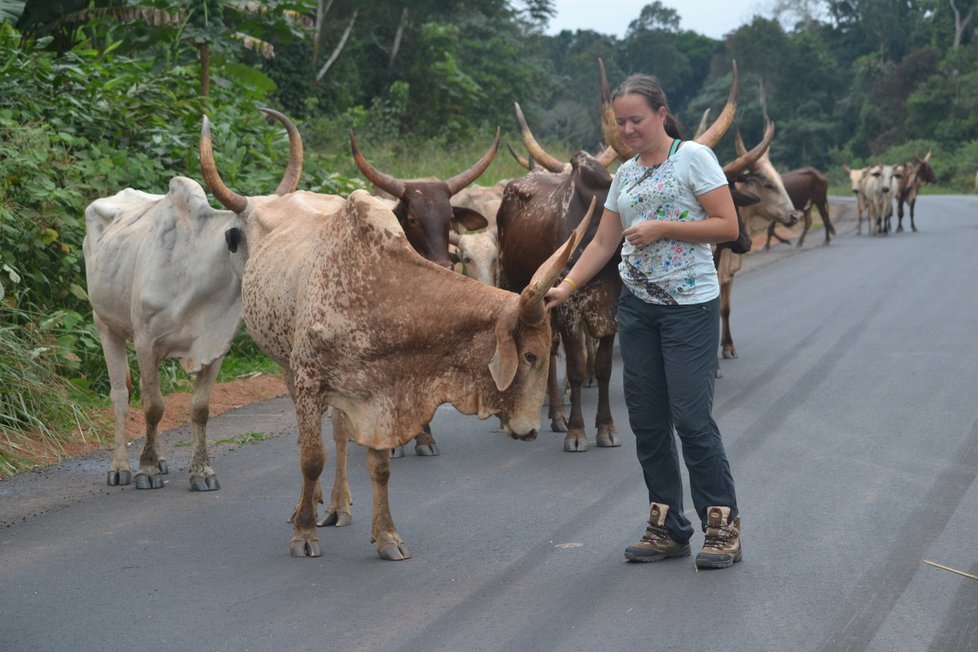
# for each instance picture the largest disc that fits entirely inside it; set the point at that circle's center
(915, 174)
(334, 293)
(426, 214)
(160, 276)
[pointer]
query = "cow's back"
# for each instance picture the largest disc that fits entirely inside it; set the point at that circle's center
(158, 267)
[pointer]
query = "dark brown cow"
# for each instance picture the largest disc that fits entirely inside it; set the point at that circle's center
(425, 212)
(537, 213)
(915, 175)
(806, 187)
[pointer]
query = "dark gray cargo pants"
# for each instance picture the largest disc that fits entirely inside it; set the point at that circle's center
(670, 356)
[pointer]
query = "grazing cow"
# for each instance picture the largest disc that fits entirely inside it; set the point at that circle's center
(915, 175)
(334, 293)
(763, 181)
(160, 275)
(807, 187)
(855, 183)
(425, 212)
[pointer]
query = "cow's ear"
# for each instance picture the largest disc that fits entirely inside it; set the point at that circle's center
(470, 219)
(506, 360)
(233, 237)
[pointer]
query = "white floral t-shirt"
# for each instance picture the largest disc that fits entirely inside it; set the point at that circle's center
(667, 271)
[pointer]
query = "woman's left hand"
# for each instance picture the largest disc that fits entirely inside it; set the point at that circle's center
(643, 234)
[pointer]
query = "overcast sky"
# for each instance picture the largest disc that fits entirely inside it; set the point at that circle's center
(712, 18)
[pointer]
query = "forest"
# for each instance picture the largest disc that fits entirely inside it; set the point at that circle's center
(99, 95)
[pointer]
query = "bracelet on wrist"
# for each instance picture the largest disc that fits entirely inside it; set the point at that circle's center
(570, 282)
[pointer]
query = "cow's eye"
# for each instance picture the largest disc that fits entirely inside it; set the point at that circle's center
(531, 358)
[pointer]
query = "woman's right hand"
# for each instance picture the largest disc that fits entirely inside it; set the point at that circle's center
(557, 295)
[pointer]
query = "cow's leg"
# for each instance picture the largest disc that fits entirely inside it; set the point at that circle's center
(826, 223)
(390, 545)
(290, 384)
(152, 464)
(117, 363)
(424, 443)
(913, 225)
(591, 378)
(338, 512)
(202, 476)
(899, 216)
(555, 394)
(312, 457)
(726, 339)
(575, 441)
(607, 436)
(808, 225)
(772, 233)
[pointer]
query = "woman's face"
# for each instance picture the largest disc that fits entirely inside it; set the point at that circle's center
(641, 127)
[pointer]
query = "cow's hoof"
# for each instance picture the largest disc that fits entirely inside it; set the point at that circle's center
(575, 443)
(397, 452)
(305, 547)
(558, 424)
(200, 483)
(607, 438)
(729, 354)
(335, 518)
(164, 469)
(147, 481)
(394, 552)
(119, 477)
(426, 450)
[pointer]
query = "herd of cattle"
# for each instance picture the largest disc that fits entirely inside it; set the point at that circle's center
(359, 299)
(877, 186)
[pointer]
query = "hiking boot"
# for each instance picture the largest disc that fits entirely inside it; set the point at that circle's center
(656, 544)
(722, 546)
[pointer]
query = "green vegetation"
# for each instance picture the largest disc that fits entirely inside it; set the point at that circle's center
(98, 95)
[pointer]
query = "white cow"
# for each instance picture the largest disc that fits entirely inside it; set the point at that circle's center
(160, 275)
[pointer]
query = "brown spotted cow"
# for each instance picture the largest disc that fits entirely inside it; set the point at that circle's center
(336, 294)
(160, 276)
(425, 211)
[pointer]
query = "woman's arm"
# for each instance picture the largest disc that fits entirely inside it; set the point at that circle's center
(593, 259)
(720, 224)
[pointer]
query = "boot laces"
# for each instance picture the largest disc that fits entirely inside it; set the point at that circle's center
(655, 533)
(720, 537)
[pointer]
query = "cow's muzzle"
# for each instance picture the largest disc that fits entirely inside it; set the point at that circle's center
(529, 436)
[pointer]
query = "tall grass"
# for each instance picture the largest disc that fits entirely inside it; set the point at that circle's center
(35, 399)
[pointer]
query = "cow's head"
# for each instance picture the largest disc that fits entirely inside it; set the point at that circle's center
(923, 170)
(236, 234)
(424, 207)
(762, 180)
(855, 177)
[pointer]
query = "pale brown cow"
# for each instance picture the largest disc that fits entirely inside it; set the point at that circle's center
(335, 294)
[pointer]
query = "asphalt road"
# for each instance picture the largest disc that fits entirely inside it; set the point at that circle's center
(851, 423)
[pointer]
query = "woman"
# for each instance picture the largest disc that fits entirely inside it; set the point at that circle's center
(668, 202)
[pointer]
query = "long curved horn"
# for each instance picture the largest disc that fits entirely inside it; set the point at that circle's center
(702, 126)
(208, 169)
(463, 179)
(712, 136)
(606, 156)
(384, 181)
(748, 159)
(739, 142)
(531, 299)
(609, 126)
(522, 160)
(290, 181)
(534, 148)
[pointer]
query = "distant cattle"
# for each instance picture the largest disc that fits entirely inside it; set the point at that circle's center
(160, 276)
(334, 293)
(807, 188)
(916, 174)
(878, 187)
(425, 211)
